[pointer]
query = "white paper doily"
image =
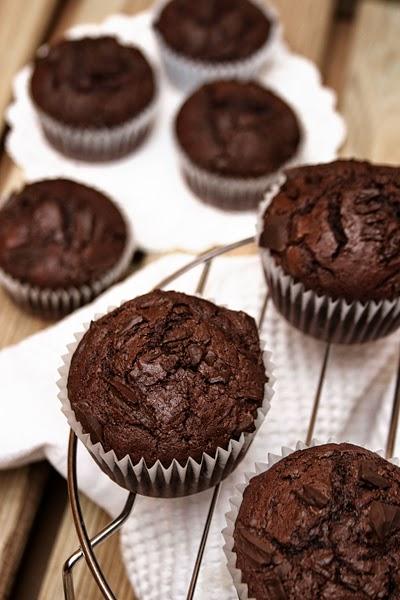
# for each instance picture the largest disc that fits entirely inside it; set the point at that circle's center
(164, 212)
(161, 538)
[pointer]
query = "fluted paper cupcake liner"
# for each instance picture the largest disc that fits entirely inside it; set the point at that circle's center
(236, 501)
(102, 144)
(186, 73)
(323, 317)
(54, 303)
(157, 480)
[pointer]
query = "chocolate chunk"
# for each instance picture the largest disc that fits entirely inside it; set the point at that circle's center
(210, 358)
(136, 320)
(195, 353)
(261, 543)
(314, 496)
(258, 549)
(369, 474)
(275, 234)
(384, 519)
(276, 591)
(129, 395)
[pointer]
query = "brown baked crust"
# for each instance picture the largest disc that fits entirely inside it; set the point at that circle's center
(167, 376)
(336, 228)
(92, 82)
(213, 31)
(322, 524)
(57, 233)
(237, 129)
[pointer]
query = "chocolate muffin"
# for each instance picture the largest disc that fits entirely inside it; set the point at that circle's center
(202, 40)
(94, 96)
(167, 376)
(61, 236)
(321, 524)
(235, 133)
(213, 31)
(335, 228)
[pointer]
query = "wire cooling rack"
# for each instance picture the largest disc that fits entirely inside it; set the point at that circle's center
(87, 545)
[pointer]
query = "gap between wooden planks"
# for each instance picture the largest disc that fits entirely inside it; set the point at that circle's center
(367, 86)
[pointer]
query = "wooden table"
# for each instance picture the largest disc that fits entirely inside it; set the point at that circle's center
(357, 47)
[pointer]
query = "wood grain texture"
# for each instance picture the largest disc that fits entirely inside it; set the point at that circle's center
(337, 57)
(20, 490)
(20, 493)
(108, 556)
(22, 26)
(306, 25)
(371, 97)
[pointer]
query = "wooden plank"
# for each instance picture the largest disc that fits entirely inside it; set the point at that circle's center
(94, 11)
(306, 25)
(371, 99)
(337, 57)
(108, 555)
(20, 490)
(22, 26)
(20, 493)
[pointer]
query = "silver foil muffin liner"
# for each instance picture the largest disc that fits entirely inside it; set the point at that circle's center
(157, 480)
(236, 501)
(186, 73)
(102, 144)
(322, 317)
(54, 303)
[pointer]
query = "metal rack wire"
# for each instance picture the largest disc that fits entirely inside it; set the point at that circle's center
(87, 545)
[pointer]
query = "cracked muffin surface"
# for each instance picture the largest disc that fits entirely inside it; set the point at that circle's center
(92, 82)
(167, 376)
(58, 233)
(214, 30)
(237, 128)
(336, 228)
(322, 524)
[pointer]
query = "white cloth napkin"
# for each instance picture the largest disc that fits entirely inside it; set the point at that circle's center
(165, 214)
(159, 552)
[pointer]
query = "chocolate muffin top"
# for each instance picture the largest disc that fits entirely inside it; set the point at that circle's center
(322, 524)
(92, 82)
(213, 30)
(336, 228)
(167, 376)
(237, 129)
(58, 233)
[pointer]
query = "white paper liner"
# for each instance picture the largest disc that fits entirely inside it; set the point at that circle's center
(103, 144)
(160, 481)
(236, 501)
(187, 73)
(325, 318)
(53, 303)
